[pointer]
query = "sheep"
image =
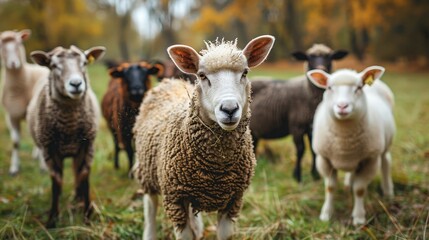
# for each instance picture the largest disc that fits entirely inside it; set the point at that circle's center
(19, 82)
(121, 102)
(280, 108)
(193, 144)
(353, 132)
(63, 120)
(171, 71)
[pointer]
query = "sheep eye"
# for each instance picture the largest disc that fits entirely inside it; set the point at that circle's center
(359, 88)
(245, 73)
(202, 76)
(329, 88)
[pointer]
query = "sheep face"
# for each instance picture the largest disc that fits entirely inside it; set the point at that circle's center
(12, 49)
(319, 57)
(68, 76)
(136, 77)
(221, 72)
(344, 95)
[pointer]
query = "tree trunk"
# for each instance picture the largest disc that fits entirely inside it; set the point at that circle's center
(124, 22)
(291, 23)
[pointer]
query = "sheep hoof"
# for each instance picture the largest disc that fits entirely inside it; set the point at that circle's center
(51, 223)
(324, 217)
(13, 172)
(315, 175)
(358, 221)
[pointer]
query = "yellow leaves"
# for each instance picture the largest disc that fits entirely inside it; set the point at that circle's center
(246, 11)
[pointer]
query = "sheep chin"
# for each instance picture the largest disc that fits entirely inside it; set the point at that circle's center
(230, 126)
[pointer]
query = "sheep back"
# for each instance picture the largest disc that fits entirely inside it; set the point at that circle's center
(281, 107)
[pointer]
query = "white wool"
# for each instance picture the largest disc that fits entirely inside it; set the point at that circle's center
(319, 49)
(222, 55)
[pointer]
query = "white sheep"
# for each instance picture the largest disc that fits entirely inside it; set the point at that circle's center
(353, 131)
(193, 143)
(18, 86)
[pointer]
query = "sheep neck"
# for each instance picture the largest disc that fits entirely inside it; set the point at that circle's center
(350, 128)
(210, 144)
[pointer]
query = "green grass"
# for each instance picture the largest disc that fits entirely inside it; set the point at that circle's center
(275, 206)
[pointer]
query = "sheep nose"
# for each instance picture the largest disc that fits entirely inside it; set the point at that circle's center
(342, 105)
(229, 108)
(75, 83)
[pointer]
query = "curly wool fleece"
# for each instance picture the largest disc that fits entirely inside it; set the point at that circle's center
(189, 161)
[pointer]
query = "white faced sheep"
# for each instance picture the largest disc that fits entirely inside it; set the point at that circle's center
(63, 119)
(193, 144)
(280, 108)
(121, 102)
(19, 82)
(353, 132)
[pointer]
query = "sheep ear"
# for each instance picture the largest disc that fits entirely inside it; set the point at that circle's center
(257, 50)
(319, 78)
(185, 58)
(25, 34)
(160, 68)
(116, 73)
(94, 53)
(370, 74)
(339, 54)
(300, 56)
(41, 58)
(109, 63)
(155, 69)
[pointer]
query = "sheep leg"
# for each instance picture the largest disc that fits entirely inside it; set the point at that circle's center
(37, 154)
(362, 177)
(56, 166)
(314, 171)
(196, 223)
(117, 149)
(348, 179)
(386, 178)
(329, 175)
(298, 139)
(130, 153)
(82, 168)
(14, 129)
(178, 213)
(225, 226)
(150, 202)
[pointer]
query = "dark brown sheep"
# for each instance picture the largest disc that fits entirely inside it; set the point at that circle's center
(120, 104)
(280, 108)
(63, 119)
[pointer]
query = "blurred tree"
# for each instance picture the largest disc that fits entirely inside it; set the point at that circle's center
(53, 23)
(120, 11)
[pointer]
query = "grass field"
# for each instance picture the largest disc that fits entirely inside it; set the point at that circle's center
(275, 206)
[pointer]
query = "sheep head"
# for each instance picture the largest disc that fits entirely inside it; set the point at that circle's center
(68, 77)
(135, 76)
(12, 49)
(319, 56)
(344, 95)
(221, 72)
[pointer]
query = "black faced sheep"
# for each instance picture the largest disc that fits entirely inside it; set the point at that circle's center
(120, 105)
(19, 81)
(193, 143)
(63, 119)
(280, 108)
